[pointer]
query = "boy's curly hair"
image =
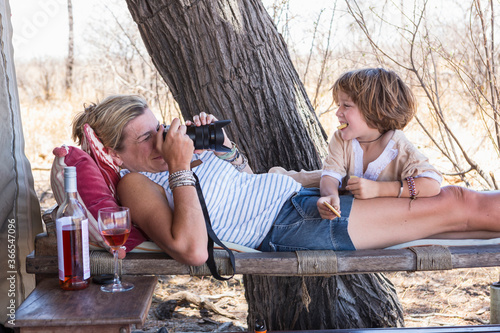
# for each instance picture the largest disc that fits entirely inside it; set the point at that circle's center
(385, 101)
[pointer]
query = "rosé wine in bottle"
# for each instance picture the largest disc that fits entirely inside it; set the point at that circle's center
(72, 237)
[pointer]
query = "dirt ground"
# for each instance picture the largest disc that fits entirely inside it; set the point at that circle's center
(445, 298)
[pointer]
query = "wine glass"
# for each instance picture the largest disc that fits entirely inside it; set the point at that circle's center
(114, 226)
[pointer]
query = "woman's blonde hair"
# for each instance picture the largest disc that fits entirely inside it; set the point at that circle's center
(385, 101)
(108, 118)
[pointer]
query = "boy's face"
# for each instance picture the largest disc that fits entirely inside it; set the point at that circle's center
(352, 122)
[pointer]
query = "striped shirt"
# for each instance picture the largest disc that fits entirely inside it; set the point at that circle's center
(242, 207)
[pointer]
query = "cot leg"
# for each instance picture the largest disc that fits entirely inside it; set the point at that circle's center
(495, 303)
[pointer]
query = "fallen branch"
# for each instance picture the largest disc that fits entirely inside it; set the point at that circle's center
(434, 315)
(199, 301)
(416, 317)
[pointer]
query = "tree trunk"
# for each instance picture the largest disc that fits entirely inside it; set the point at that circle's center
(226, 57)
(313, 303)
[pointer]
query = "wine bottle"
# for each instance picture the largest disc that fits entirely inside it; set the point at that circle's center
(72, 237)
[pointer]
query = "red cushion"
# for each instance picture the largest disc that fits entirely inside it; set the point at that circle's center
(93, 191)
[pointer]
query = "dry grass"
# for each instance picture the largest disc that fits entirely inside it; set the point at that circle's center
(445, 298)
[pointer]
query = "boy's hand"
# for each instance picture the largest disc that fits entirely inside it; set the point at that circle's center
(324, 211)
(362, 188)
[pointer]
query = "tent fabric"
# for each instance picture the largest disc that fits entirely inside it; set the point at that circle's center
(20, 218)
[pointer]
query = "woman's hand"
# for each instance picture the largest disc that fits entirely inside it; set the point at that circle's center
(177, 148)
(323, 209)
(201, 119)
(207, 119)
(121, 252)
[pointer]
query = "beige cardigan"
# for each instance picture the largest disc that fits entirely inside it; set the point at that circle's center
(400, 159)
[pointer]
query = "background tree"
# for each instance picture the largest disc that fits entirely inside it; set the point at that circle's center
(71, 45)
(226, 57)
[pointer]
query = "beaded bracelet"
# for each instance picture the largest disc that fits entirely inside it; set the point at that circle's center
(235, 157)
(180, 173)
(179, 183)
(181, 178)
(243, 164)
(230, 154)
(411, 187)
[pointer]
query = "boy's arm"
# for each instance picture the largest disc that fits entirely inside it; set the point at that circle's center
(363, 188)
(424, 187)
(367, 189)
(427, 178)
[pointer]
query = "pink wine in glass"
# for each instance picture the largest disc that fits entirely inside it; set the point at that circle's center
(115, 237)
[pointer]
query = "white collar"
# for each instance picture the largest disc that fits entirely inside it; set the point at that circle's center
(375, 167)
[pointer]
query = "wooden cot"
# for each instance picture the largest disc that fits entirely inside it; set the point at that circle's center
(43, 260)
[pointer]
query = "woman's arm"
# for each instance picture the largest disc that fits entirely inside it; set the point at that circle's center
(182, 234)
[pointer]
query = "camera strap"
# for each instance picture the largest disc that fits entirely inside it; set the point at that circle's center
(212, 237)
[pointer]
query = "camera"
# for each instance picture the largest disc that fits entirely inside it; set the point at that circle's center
(208, 136)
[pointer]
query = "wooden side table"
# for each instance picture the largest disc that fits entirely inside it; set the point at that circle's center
(50, 309)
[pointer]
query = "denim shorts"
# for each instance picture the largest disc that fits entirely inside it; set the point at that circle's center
(299, 226)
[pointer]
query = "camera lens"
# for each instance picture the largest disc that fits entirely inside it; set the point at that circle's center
(200, 136)
(208, 136)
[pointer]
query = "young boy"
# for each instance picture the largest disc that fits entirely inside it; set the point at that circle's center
(369, 155)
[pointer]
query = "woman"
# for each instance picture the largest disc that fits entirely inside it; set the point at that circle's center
(268, 211)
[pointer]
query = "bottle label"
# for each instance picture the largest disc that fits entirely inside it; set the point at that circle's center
(85, 243)
(72, 248)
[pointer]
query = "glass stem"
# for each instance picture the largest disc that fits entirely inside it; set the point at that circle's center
(117, 276)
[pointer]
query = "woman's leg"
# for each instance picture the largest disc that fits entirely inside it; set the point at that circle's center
(467, 235)
(383, 222)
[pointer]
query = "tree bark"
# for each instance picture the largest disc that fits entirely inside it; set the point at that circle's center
(313, 303)
(226, 57)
